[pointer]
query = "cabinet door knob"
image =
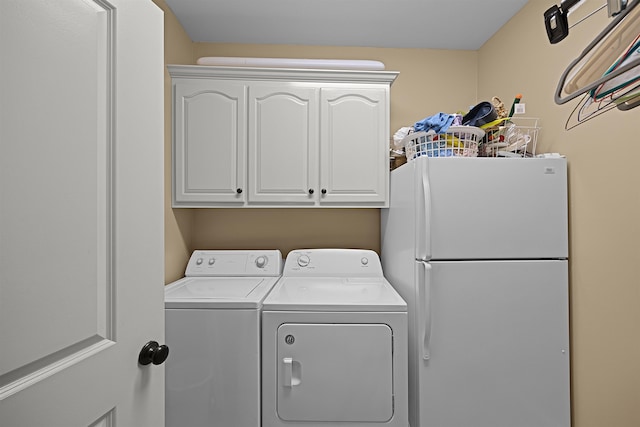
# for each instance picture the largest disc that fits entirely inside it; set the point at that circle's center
(239, 190)
(311, 191)
(323, 191)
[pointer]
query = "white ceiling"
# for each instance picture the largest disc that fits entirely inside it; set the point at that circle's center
(435, 24)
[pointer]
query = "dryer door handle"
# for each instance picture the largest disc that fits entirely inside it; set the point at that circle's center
(292, 372)
(287, 363)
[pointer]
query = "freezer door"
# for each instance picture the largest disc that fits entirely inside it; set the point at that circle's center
(491, 208)
(335, 373)
(493, 346)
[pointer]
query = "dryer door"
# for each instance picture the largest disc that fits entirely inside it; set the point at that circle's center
(335, 372)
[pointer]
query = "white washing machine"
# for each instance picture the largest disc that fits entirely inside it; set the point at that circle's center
(334, 344)
(212, 319)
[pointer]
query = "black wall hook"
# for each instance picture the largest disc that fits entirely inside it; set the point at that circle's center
(556, 22)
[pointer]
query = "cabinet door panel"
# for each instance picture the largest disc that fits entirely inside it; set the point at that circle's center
(210, 141)
(353, 147)
(283, 143)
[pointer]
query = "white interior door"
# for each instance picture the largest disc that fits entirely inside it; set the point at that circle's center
(81, 212)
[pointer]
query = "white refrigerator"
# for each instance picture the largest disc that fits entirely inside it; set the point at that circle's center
(478, 248)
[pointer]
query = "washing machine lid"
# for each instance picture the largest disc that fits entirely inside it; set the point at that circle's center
(218, 292)
(334, 294)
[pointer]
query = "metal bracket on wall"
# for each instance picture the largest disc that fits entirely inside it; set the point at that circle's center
(556, 17)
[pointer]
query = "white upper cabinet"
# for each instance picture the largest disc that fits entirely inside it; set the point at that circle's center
(209, 142)
(283, 144)
(251, 137)
(354, 152)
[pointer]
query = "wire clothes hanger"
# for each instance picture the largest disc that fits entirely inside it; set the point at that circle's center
(600, 54)
(588, 108)
(607, 72)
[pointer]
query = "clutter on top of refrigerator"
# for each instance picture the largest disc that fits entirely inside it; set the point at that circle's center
(456, 141)
(488, 129)
(512, 137)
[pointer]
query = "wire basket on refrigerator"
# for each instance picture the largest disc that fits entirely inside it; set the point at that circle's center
(514, 137)
(457, 141)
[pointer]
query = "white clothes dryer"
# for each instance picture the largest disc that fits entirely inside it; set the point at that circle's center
(212, 319)
(334, 344)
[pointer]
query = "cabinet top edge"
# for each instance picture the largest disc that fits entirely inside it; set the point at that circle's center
(284, 74)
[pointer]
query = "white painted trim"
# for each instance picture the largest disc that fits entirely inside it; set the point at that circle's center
(282, 74)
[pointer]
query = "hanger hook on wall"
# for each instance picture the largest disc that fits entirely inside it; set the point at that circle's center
(607, 72)
(556, 17)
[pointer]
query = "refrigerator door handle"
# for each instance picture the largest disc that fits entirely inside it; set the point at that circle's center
(424, 308)
(424, 214)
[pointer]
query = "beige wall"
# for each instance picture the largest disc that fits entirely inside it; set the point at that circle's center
(287, 229)
(604, 209)
(417, 91)
(604, 199)
(178, 49)
(430, 81)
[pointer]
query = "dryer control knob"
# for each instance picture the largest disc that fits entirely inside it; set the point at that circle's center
(364, 260)
(261, 261)
(303, 260)
(212, 261)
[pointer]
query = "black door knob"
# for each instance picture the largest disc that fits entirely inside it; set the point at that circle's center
(239, 190)
(152, 352)
(323, 191)
(311, 191)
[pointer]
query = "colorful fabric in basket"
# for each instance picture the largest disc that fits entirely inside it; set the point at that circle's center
(435, 149)
(439, 123)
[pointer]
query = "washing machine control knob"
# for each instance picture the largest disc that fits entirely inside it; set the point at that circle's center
(199, 261)
(261, 261)
(212, 261)
(364, 260)
(303, 260)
